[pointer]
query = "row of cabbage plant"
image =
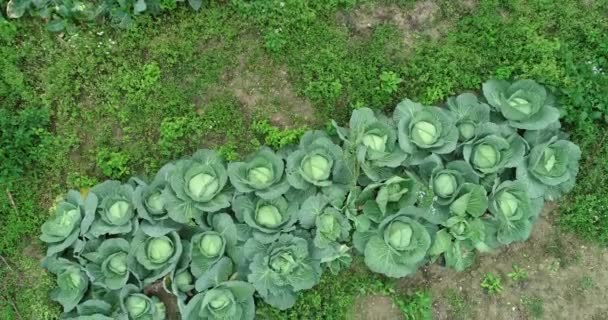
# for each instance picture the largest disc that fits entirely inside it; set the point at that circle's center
(429, 184)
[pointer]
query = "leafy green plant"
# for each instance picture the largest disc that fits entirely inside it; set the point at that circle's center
(214, 235)
(534, 306)
(23, 137)
(389, 81)
(275, 137)
(491, 283)
(65, 15)
(518, 274)
(113, 164)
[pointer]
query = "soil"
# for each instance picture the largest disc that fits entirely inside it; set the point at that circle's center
(421, 20)
(263, 89)
(567, 279)
(376, 307)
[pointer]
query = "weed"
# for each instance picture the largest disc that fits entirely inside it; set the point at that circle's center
(534, 306)
(275, 137)
(156, 81)
(518, 274)
(389, 81)
(335, 296)
(459, 307)
(24, 137)
(491, 283)
(586, 283)
(113, 164)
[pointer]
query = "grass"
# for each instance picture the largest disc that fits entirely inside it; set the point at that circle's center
(534, 306)
(459, 306)
(335, 297)
(76, 109)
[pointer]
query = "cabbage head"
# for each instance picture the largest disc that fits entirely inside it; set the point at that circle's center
(262, 173)
(398, 245)
(196, 185)
(550, 169)
(331, 227)
(150, 205)
(108, 267)
(525, 104)
(464, 230)
(282, 268)
(72, 281)
(154, 257)
(513, 212)
(469, 113)
(317, 162)
(446, 180)
(72, 218)
(212, 246)
(374, 140)
(388, 196)
(229, 300)
(115, 209)
(331, 231)
(267, 219)
(138, 306)
(181, 281)
(495, 149)
(424, 130)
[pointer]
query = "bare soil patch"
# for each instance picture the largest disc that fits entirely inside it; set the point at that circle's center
(264, 91)
(567, 279)
(376, 307)
(422, 20)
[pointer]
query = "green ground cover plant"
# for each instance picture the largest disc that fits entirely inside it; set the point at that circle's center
(218, 235)
(102, 91)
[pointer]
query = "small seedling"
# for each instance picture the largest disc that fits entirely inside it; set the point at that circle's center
(586, 283)
(389, 81)
(518, 274)
(491, 283)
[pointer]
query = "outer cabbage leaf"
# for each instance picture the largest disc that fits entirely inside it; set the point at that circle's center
(150, 205)
(115, 211)
(282, 268)
(399, 245)
(108, 265)
(262, 173)
(266, 218)
(72, 281)
(525, 104)
(424, 130)
(513, 212)
(72, 218)
(230, 300)
(318, 162)
(469, 113)
(386, 197)
(197, 185)
(374, 141)
(151, 258)
(138, 306)
(495, 149)
(550, 169)
(211, 250)
(181, 282)
(446, 180)
(93, 309)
